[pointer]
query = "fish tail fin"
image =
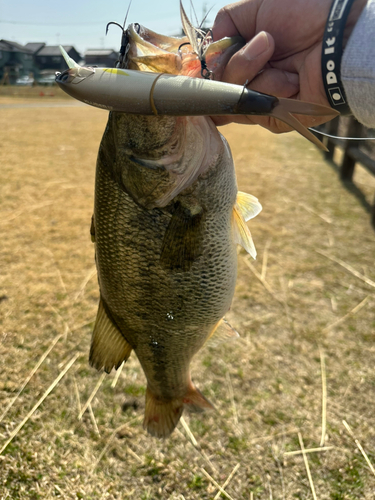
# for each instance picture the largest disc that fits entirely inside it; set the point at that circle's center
(162, 416)
(285, 107)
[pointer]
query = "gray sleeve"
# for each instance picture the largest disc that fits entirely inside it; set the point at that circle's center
(358, 67)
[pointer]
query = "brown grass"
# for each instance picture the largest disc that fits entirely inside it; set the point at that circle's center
(293, 304)
(39, 91)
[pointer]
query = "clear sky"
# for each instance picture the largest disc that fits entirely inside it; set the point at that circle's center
(82, 22)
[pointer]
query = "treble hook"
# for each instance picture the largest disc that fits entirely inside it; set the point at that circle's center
(116, 24)
(205, 72)
(124, 44)
(186, 43)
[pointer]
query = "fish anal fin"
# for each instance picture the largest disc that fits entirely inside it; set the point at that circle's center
(183, 239)
(108, 346)
(248, 206)
(242, 235)
(223, 332)
(161, 417)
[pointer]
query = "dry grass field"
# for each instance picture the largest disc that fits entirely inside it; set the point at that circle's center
(304, 365)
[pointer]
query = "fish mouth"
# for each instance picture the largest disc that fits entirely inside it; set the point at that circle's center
(151, 51)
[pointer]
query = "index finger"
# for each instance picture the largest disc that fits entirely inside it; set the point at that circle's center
(236, 19)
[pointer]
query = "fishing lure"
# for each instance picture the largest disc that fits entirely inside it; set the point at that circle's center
(147, 93)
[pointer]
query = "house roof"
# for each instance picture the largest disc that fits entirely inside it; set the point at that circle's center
(54, 50)
(100, 52)
(34, 47)
(8, 46)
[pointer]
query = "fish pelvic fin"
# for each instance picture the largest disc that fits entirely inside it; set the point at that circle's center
(162, 416)
(285, 107)
(108, 346)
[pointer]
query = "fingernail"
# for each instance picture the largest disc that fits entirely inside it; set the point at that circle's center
(256, 46)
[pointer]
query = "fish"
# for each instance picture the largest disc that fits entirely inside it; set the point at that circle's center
(168, 216)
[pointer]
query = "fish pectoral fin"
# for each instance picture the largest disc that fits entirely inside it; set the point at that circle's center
(108, 346)
(242, 235)
(222, 332)
(161, 417)
(183, 238)
(248, 206)
(92, 229)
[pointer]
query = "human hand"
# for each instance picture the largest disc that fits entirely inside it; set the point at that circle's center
(283, 53)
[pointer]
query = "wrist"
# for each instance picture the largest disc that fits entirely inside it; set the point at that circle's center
(339, 24)
(353, 17)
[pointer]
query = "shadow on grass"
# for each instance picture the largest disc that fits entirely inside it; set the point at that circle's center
(350, 186)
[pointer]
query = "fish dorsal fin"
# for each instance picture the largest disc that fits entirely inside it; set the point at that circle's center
(222, 333)
(248, 205)
(242, 235)
(183, 239)
(108, 346)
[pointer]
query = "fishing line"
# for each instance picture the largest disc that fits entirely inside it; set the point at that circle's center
(126, 15)
(343, 138)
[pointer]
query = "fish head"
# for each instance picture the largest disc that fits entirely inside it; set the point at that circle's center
(150, 51)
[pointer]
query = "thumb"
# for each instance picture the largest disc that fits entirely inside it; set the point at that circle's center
(247, 62)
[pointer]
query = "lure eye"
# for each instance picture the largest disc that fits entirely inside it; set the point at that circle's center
(64, 77)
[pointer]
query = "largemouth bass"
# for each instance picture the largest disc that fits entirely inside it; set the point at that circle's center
(167, 221)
